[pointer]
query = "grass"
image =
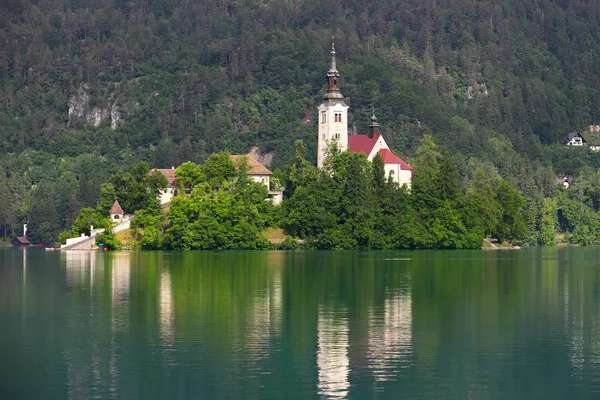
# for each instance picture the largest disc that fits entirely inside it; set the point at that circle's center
(125, 238)
(274, 234)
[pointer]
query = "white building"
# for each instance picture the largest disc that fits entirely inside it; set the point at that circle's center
(170, 191)
(333, 125)
(261, 174)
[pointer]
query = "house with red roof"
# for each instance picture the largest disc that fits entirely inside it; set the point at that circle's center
(333, 126)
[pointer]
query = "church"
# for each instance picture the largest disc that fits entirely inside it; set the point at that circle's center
(333, 125)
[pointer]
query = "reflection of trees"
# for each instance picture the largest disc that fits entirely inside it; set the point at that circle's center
(582, 317)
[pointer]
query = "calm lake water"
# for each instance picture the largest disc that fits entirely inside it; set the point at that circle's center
(283, 325)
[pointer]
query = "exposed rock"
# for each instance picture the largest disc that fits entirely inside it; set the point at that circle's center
(265, 159)
(79, 107)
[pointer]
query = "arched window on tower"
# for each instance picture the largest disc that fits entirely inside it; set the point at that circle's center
(323, 117)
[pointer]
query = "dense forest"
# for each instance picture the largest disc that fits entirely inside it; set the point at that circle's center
(89, 89)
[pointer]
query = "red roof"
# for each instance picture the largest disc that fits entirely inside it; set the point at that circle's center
(390, 158)
(362, 143)
(169, 173)
(116, 208)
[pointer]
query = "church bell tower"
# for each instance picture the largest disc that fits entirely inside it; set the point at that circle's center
(333, 113)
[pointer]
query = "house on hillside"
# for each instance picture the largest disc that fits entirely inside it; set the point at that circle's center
(167, 194)
(574, 139)
(261, 174)
(564, 180)
(333, 126)
(20, 241)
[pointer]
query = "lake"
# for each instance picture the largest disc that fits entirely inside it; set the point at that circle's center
(299, 325)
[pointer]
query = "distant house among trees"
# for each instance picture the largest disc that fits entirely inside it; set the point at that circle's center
(574, 139)
(589, 138)
(20, 241)
(261, 174)
(564, 180)
(171, 190)
(257, 172)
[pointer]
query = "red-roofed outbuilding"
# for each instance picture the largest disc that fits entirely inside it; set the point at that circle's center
(116, 212)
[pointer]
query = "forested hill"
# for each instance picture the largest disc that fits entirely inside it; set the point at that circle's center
(91, 86)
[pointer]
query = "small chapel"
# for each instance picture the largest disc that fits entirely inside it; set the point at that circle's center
(333, 125)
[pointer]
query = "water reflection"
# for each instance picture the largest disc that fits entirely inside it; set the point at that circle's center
(332, 354)
(166, 309)
(120, 270)
(258, 325)
(390, 337)
(78, 267)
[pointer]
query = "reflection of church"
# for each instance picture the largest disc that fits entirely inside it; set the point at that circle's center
(333, 125)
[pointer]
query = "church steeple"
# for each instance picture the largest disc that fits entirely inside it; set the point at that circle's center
(333, 114)
(333, 78)
(373, 126)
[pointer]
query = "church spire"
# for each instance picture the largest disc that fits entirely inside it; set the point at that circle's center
(373, 126)
(333, 68)
(333, 78)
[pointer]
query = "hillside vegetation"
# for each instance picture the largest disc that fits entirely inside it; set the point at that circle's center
(88, 88)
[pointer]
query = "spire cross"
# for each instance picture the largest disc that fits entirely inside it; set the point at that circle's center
(333, 68)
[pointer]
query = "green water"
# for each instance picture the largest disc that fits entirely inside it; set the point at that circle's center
(299, 325)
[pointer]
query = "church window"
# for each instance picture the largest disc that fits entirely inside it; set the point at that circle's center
(323, 117)
(338, 117)
(323, 136)
(337, 135)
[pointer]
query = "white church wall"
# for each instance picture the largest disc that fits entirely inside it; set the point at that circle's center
(399, 175)
(379, 145)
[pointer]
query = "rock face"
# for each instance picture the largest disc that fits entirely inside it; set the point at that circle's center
(109, 108)
(263, 158)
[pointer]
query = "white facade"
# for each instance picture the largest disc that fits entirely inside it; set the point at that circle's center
(575, 141)
(380, 144)
(264, 179)
(333, 125)
(165, 196)
(397, 174)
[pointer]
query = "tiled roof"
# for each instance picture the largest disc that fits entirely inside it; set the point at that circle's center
(22, 240)
(362, 143)
(255, 168)
(116, 208)
(390, 158)
(169, 173)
